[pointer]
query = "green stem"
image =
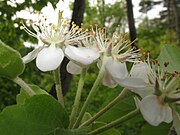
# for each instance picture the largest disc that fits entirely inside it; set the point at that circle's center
(115, 123)
(77, 98)
(91, 94)
(121, 96)
(58, 86)
(24, 86)
(169, 99)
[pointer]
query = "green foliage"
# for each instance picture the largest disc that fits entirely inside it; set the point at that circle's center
(151, 36)
(22, 96)
(109, 15)
(162, 129)
(7, 93)
(122, 108)
(112, 131)
(98, 100)
(170, 54)
(11, 64)
(11, 34)
(161, 30)
(40, 115)
(125, 106)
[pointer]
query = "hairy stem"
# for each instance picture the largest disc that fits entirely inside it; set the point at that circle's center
(58, 86)
(24, 86)
(91, 94)
(115, 123)
(121, 96)
(77, 98)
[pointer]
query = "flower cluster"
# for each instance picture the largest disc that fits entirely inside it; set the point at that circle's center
(156, 88)
(55, 41)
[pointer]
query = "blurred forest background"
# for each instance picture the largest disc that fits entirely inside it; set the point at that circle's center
(152, 34)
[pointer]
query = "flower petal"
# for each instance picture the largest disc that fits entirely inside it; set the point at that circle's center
(176, 121)
(49, 58)
(133, 83)
(117, 70)
(32, 55)
(141, 71)
(107, 81)
(81, 55)
(73, 68)
(154, 112)
(138, 86)
(50, 14)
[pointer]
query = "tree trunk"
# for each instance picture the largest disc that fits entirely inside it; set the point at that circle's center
(78, 12)
(131, 22)
(77, 18)
(173, 20)
(176, 10)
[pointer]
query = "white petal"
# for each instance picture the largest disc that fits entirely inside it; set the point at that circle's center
(154, 112)
(138, 86)
(81, 55)
(40, 43)
(167, 114)
(73, 68)
(141, 71)
(107, 81)
(50, 14)
(49, 58)
(117, 70)
(133, 83)
(32, 55)
(176, 121)
(143, 92)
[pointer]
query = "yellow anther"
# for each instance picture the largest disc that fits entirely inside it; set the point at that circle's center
(21, 27)
(73, 23)
(77, 27)
(53, 27)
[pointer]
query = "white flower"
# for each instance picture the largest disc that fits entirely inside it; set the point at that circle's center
(117, 51)
(53, 34)
(154, 110)
(155, 86)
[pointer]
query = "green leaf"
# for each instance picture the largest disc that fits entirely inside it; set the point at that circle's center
(162, 129)
(11, 64)
(22, 96)
(170, 54)
(40, 115)
(112, 131)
